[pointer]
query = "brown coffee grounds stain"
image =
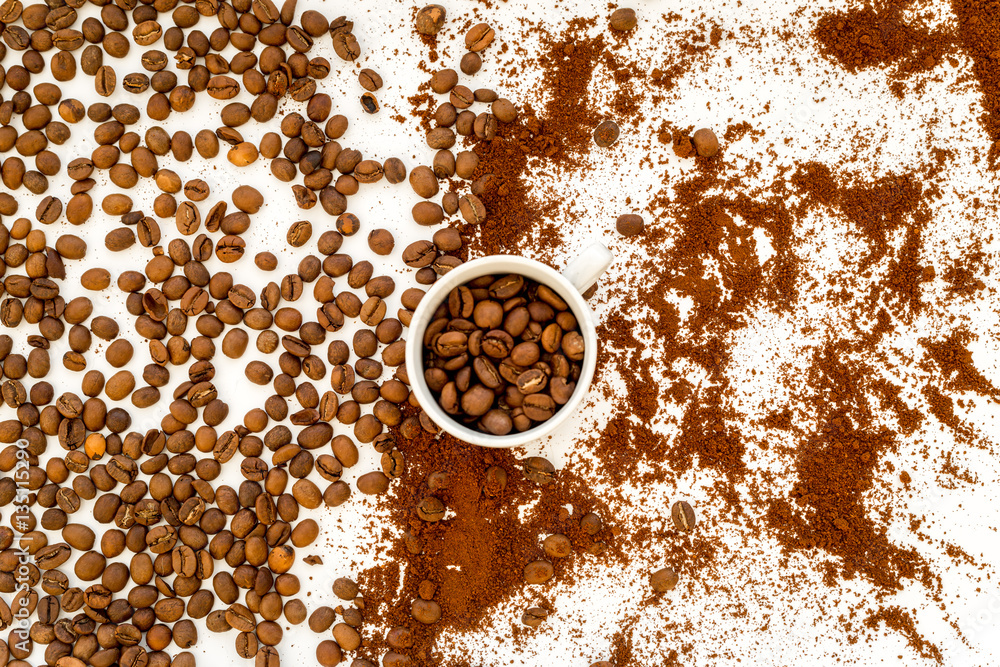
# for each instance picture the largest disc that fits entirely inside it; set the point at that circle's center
(878, 35)
(690, 48)
(476, 555)
(567, 63)
(422, 107)
(709, 438)
(516, 217)
(626, 77)
(877, 209)
(979, 37)
(908, 419)
(953, 360)
(963, 276)
(900, 621)
(942, 407)
(836, 465)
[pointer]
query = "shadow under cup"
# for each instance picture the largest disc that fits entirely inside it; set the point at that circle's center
(499, 265)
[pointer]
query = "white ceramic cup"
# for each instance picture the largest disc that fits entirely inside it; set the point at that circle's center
(577, 277)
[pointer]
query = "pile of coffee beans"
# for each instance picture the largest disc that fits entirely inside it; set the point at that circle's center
(503, 353)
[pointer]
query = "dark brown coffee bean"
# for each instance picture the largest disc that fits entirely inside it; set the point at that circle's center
(369, 80)
(105, 81)
(345, 45)
(630, 224)
(606, 134)
(539, 470)
(471, 63)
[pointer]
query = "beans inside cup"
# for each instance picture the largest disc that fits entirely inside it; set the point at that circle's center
(503, 354)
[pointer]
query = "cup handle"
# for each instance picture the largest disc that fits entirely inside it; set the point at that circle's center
(584, 271)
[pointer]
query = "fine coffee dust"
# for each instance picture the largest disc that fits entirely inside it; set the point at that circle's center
(890, 34)
(836, 464)
(475, 558)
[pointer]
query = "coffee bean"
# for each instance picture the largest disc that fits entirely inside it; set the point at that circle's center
(538, 572)
(394, 170)
(425, 611)
(443, 81)
(267, 656)
(430, 509)
(240, 618)
(623, 19)
(479, 37)
(369, 103)
(534, 617)
(370, 80)
(472, 209)
(539, 470)
(105, 81)
(557, 546)
(471, 63)
(430, 19)
(705, 142)
(630, 224)
(606, 134)
(328, 653)
(345, 589)
(683, 515)
(427, 213)
(373, 483)
(663, 580)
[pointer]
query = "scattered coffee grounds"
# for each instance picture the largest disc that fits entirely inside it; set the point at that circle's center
(834, 468)
(558, 133)
(898, 620)
(476, 557)
(978, 35)
(889, 33)
(879, 36)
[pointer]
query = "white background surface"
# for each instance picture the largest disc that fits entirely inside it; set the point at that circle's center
(808, 109)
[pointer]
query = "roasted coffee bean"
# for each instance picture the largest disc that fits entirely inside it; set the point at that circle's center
(538, 572)
(539, 470)
(534, 617)
(370, 80)
(623, 19)
(471, 63)
(479, 37)
(425, 611)
(105, 81)
(683, 516)
(606, 134)
(430, 19)
(663, 580)
(630, 224)
(705, 142)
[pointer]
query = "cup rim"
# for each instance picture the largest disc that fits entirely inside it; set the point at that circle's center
(463, 274)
